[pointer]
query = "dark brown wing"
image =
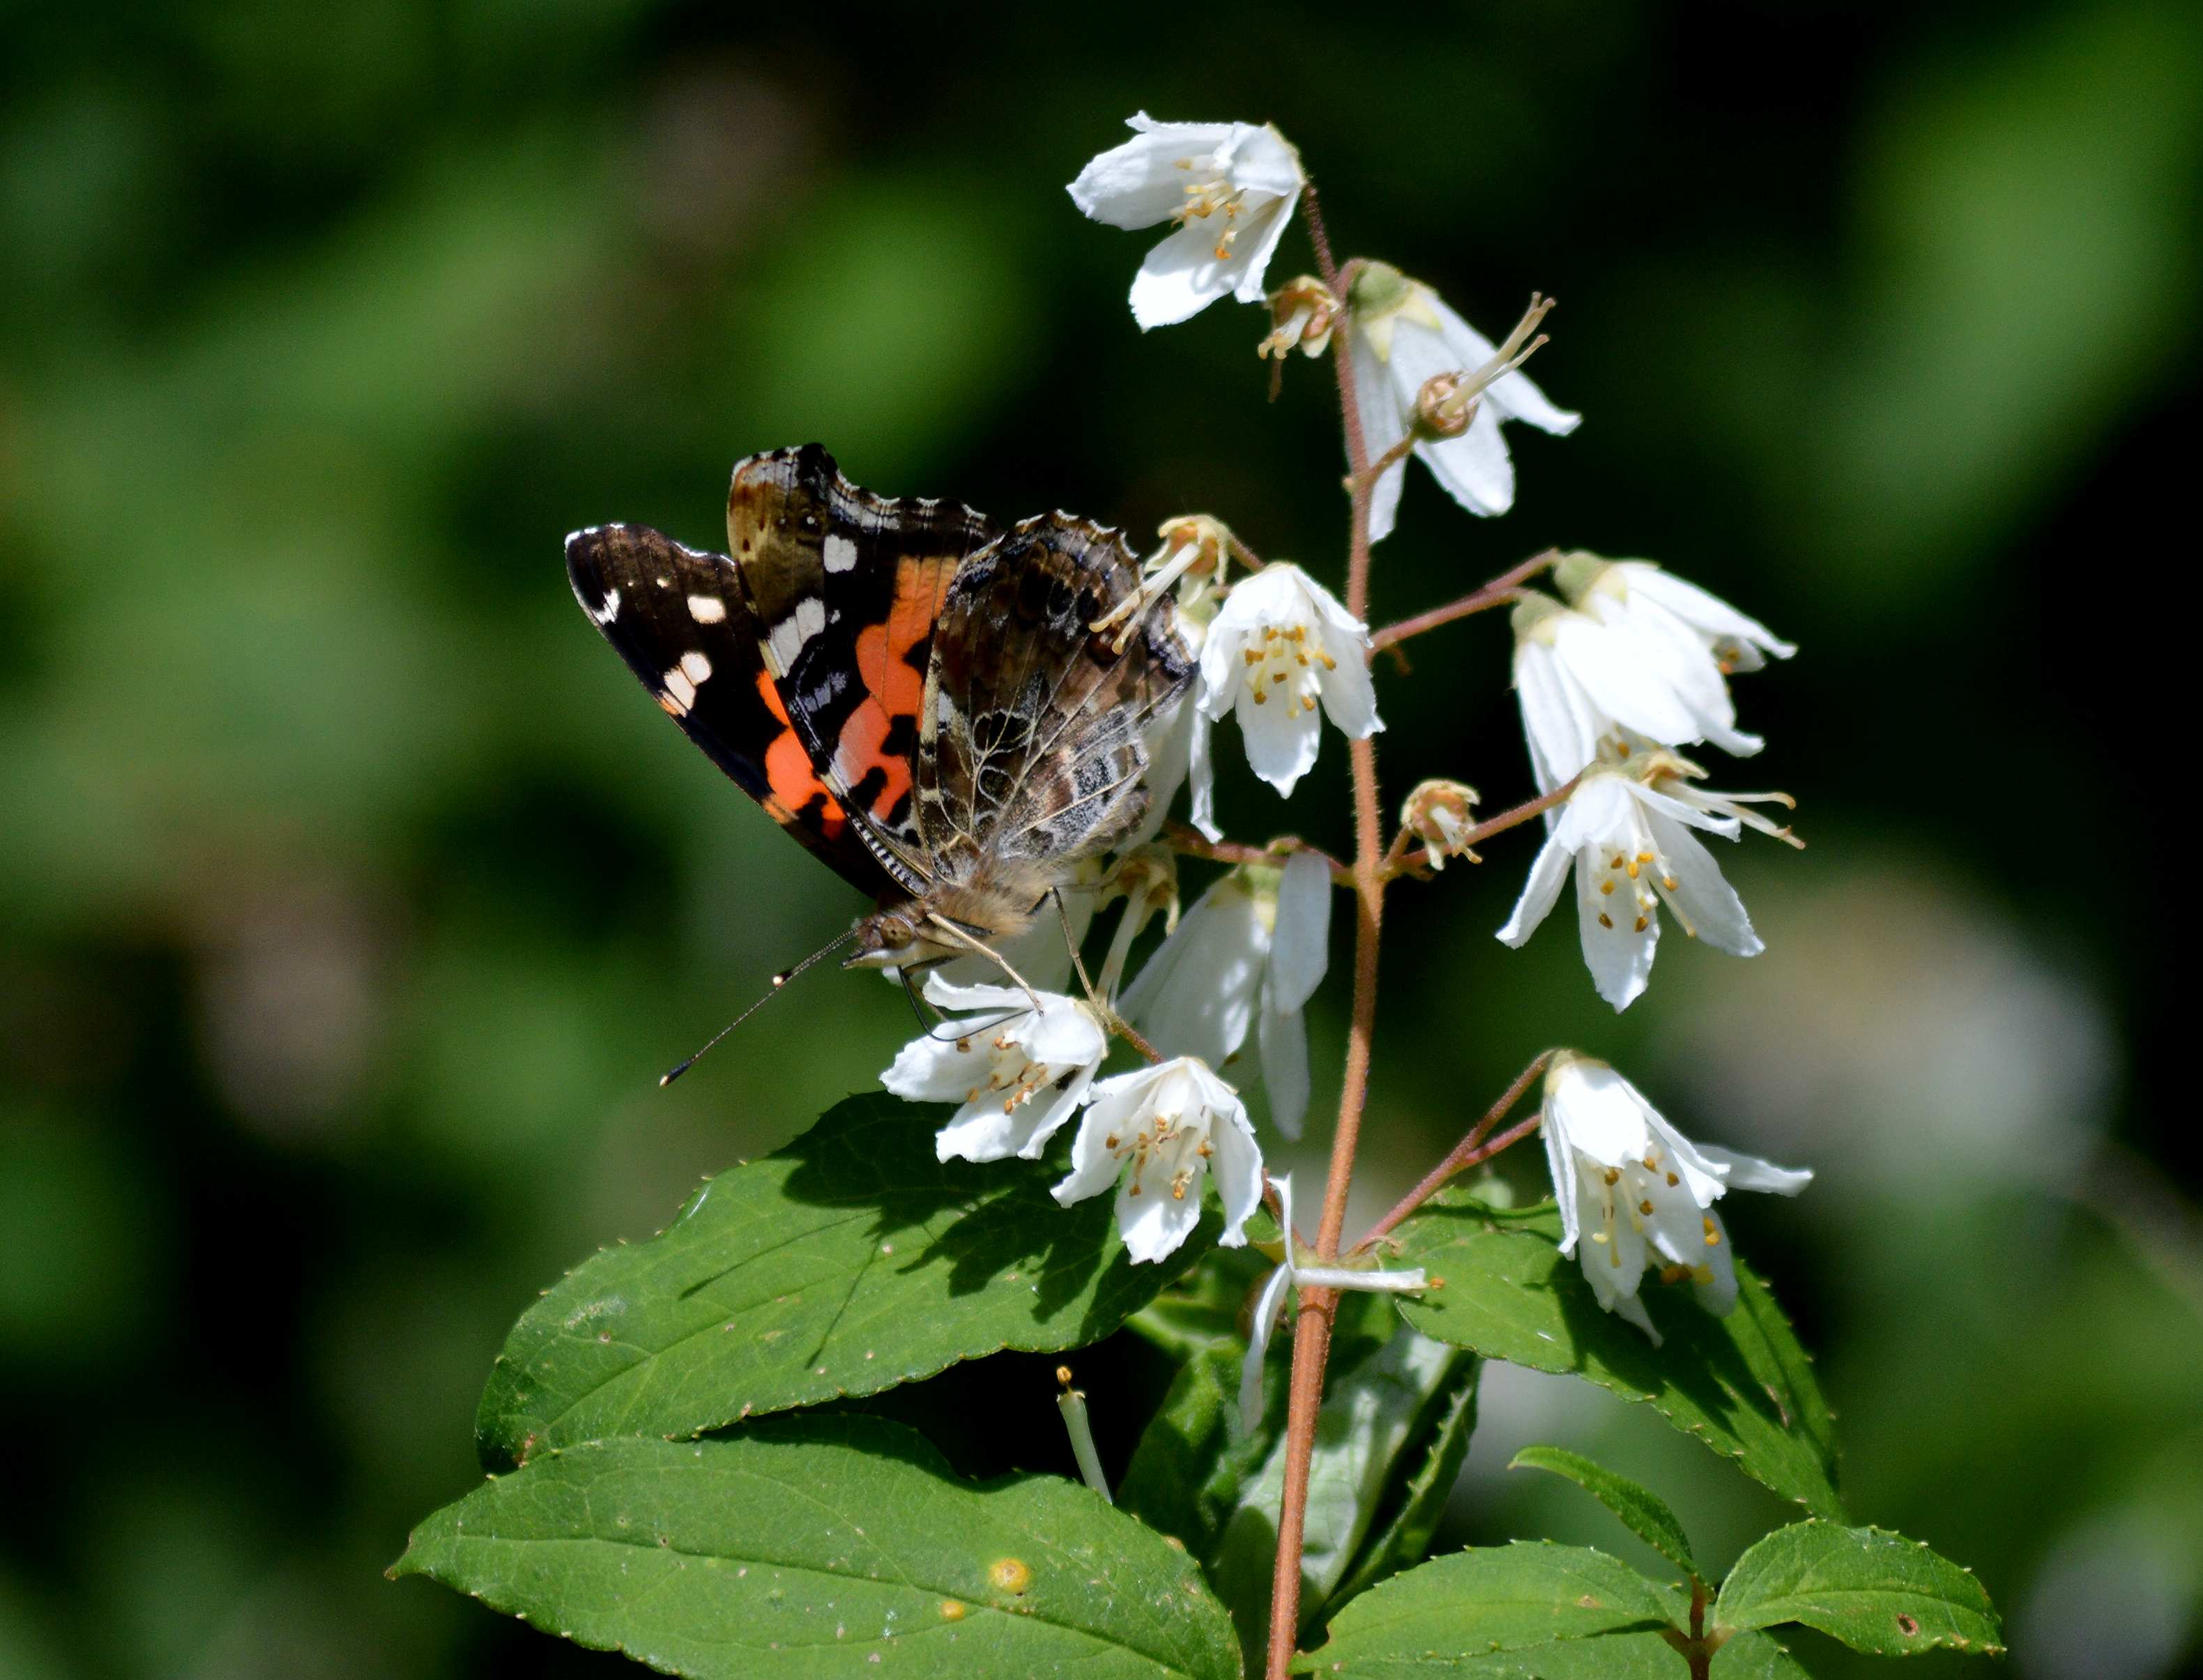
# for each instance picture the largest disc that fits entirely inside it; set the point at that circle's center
(679, 618)
(845, 587)
(1032, 749)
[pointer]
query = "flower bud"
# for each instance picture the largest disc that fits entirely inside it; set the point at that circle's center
(1378, 288)
(1440, 814)
(1577, 574)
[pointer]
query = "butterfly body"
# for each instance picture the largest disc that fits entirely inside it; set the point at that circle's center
(911, 691)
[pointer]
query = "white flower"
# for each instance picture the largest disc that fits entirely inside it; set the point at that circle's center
(1158, 1130)
(1281, 642)
(1018, 1072)
(1660, 600)
(1405, 336)
(1229, 186)
(1578, 681)
(1626, 827)
(1633, 1189)
(1691, 638)
(1254, 946)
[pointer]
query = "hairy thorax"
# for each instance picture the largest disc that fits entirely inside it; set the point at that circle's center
(997, 902)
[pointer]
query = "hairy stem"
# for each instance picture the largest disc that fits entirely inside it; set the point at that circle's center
(1192, 843)
(1497, 593)
(1471, 1151)
(1312, 1329)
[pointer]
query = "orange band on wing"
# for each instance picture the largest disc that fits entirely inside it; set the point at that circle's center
(788, 771)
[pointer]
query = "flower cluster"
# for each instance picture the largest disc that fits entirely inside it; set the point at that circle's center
(1632, 664)
(1618, 669)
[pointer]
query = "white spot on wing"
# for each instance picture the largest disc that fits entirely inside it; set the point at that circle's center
(840, 553)
(680, 689)
(698, 667)
(604, 614)
(790, 635)
(706, 609)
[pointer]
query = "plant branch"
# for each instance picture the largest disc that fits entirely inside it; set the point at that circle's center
(1399, 860)
(1471, 1151)
(1192, 843)
(1312, 1329)
(1497, 593)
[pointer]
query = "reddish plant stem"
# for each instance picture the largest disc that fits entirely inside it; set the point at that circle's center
(1471, 1151)
(1312, 1329)
(1192, 843)
(1497, 593)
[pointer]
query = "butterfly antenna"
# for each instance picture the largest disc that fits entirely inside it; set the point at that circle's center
(778, 981)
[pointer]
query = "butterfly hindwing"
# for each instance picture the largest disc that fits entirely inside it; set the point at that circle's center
(845, 587)
(1033, 744)
(679, 618)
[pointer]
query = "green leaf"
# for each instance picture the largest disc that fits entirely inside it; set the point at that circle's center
(1193, 1458)
(847, 1263)
(1756, 1656)
(1375, 1407)
(1411, 1513)
(1740, 1384)
(1455, 1612)
(810, 1547)
(1643, 1511)
(1877, 1592)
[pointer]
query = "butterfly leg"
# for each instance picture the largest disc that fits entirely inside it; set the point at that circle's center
(1070, 944)
(957, 935)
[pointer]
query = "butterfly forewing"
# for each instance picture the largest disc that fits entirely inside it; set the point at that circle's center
(679, 618)
(845, 587)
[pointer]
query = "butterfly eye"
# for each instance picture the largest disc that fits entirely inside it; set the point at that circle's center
(894, 936)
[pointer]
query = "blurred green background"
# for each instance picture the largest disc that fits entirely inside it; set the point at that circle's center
(354, 895)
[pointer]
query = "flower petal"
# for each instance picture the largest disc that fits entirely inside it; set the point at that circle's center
(1236, 1164)
(928, 1070)
(1538, 891)
(1474, 468)
(1180, 276)
(1154, 1222)
(1201, 772)
(1384, 424)
(1258, 234)
(1705, 901)
(1617, 952)
(1748, 1172)
(1281, 741)
(1267, 1307)
(981, 1131)
(1695, 606)
(1139, 183)
(1300, 941)
(1349, 696)
(1196, 997)
(1282, 1039)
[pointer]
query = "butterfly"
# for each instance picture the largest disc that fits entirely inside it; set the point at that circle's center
(914, 692)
